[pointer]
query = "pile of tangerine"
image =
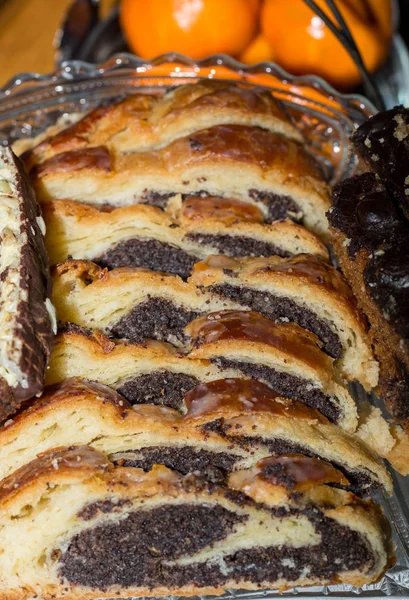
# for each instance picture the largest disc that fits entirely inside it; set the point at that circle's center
(284, 31)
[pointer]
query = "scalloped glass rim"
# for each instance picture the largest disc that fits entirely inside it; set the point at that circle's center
(30, 102)
(76, 68)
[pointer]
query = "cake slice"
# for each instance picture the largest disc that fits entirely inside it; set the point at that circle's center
(145, 121)
(370, 239)
(282, 355)
(26, 313)
(136, 303)
(230, 424)
(145, 236)
(382, 142)
(150, 373)
(93, 530)
(301, 289)
(250, 164)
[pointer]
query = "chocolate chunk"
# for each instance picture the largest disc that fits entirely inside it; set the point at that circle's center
(163, 388)
(279, 308)
(364, 212)
(155, 318)
(151, 254)
(383, 143)
(288, 385)
(233, 245)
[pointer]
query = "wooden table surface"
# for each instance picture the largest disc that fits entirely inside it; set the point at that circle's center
(27, 32)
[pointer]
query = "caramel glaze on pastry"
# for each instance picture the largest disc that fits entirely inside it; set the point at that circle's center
(145, 236)
(140, 304)
(245, 163)
(155, 373)
(302, 289)
(94, 530)
(147, 121)
(152, 372)
(371, 241)
(196, 208)
(230, 424)
(282, 355)
(137, 303)
(26, 312)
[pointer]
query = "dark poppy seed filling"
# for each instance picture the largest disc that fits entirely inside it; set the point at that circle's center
(237, 245)
(280, 308)
(151, 254)
(279, 207)
(360, 482)
(163, 388)
(102, 506)
(186, 459)
(157, 319)
(135, 547)
(290, 386)
(138, 550)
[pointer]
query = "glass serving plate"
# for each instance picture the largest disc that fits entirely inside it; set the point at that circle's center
(29, 103)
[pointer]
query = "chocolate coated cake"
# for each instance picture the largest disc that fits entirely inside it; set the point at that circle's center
(370, 235)
(26, 313)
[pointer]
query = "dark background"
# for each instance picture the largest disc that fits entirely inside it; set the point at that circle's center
(404, 20)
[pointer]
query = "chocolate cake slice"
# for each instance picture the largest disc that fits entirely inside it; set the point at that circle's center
(26, 313)
(150, 373)
(145, 236)
(93, 530)
(250, 164)
(382, 142)
(231, 424)
(282, 355)
(144, 121)
(136, 303)
(371, 240)
(301, 289)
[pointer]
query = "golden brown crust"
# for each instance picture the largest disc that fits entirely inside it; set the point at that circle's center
(79, 285)
(312, 285)
(82, 231)
(91, 355)
(285, 348)
(81, 461)
(69, 490)
(111, 425)
(230, 161)
(143, 121)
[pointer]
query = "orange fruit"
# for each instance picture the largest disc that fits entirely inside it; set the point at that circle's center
(255, 6)
(304, 44)
(259, 50)
(193, 27)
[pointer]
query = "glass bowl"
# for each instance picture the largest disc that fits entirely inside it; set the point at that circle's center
(30, 102)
